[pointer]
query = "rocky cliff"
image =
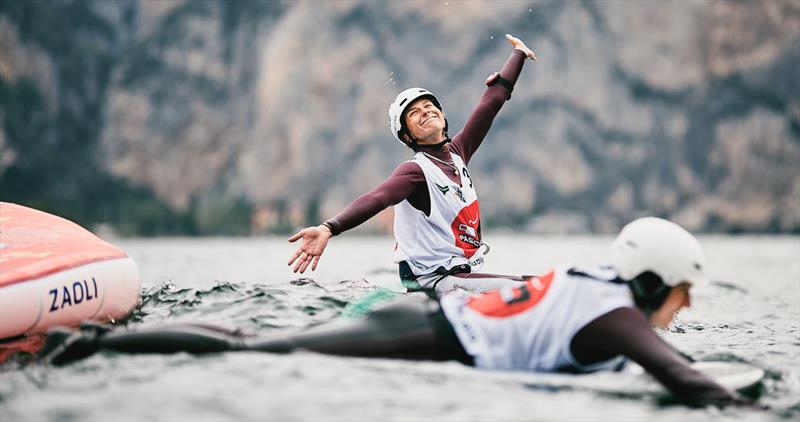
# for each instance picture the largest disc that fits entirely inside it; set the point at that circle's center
(236, 117)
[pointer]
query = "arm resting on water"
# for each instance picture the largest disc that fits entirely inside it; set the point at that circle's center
(626, 331)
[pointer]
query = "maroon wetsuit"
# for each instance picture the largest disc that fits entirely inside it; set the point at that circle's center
(626, 332)
(407, 180)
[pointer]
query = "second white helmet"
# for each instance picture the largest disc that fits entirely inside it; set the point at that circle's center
(399, 105)
(661, 247)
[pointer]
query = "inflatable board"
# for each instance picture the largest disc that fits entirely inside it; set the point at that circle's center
(54, 272)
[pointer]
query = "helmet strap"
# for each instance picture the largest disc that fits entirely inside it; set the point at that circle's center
(412, 143)
(649, 292)
(437, 146)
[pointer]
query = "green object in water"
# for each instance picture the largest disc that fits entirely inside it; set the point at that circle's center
(361, 307)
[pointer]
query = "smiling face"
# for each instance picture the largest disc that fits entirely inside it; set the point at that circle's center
(425, 121)
(678, 299)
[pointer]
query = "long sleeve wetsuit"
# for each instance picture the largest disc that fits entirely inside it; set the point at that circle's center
(413, 327)
(626, 332)
(407, 181)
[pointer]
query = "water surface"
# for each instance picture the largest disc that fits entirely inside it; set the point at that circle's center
(749, 313)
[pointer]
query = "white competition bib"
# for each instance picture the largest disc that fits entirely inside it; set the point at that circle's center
(450, 235)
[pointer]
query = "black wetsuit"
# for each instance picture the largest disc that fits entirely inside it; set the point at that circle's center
(413, 327)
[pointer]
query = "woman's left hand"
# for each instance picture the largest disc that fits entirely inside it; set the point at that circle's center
(519, 45)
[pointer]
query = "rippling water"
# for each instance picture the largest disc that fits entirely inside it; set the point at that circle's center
(750, 313)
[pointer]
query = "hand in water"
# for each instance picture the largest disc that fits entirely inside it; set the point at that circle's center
(519, 45)
(314, 241)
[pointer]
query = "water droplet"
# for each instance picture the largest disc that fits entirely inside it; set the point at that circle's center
(491, 37)
(391, 73)
(530, 10)
(394, 82)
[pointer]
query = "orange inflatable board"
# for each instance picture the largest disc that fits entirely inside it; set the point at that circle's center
(55, 272)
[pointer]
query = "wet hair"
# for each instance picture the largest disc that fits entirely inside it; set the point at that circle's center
(649, 291)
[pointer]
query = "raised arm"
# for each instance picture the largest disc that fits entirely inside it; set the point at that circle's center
(399, 186)
(500, 84)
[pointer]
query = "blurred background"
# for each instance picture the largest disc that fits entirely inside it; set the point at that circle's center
(144, 118)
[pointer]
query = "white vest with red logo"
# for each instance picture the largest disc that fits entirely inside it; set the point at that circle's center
(449, 236)
(531, 327)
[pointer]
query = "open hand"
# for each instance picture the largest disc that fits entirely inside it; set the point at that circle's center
(519, 45)
(314, 241)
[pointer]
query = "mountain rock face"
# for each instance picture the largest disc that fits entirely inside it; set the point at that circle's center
(270, 115)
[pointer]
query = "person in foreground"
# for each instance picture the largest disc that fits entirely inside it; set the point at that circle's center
(569, 320)
(437, 221)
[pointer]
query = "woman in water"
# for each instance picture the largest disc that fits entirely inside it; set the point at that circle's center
(574, 320)
(437, 217)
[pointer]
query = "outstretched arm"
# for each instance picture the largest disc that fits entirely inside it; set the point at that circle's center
(626, 331)
(315, 239)
(399, 186)
(466, 142)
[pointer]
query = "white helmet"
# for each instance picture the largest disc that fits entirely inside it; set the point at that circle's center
(661, 247)
(399, 105)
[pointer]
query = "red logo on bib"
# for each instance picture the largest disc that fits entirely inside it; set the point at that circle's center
(511, 301)
(466, 229)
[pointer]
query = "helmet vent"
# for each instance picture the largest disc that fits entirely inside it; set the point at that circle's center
(697, 266)
(403, 102)
(631, 244)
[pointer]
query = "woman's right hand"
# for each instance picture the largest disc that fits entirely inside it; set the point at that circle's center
(519, 45)
(314, 241)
